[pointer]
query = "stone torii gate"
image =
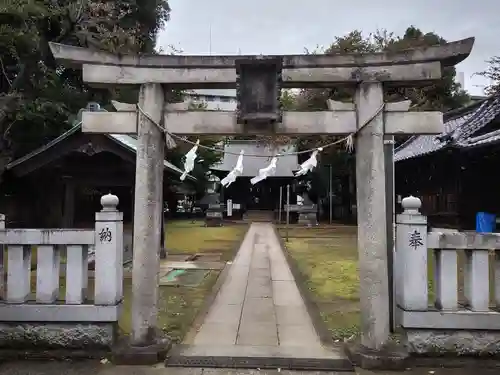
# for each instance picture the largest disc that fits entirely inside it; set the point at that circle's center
(259, 80)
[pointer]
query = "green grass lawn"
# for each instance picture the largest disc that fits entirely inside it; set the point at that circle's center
(186, 237)
(178, 305)
(328, 258)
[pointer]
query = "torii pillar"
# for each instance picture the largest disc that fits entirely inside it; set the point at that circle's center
(148, 213)
(368, 73)
(372, 230)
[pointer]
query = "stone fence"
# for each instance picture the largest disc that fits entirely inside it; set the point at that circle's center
(66, 307)
(447, 287)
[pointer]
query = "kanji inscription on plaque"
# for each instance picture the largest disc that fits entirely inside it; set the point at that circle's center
(415, 239)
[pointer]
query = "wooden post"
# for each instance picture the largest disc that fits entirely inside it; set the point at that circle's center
(148, 213)
(281, 205)
(69, 202)
(163, 249)
(372, 234)
(132, 219)
(390, 224)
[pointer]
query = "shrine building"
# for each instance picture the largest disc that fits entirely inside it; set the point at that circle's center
(264, 195)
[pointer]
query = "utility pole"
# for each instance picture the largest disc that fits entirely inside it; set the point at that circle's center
(287, 209)
(210, 40)
(280, 205)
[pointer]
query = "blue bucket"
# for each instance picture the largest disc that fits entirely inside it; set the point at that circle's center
(485, 222)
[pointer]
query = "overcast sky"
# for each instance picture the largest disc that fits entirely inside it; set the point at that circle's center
(289, 26)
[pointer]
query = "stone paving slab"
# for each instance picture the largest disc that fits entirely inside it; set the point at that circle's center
(256, 357)
(291, 335)
(258, 318)
(260, 334)
(258, 351)
(225, 313)
(258, 310)
(217, 334)
(288, 316)
(192, 265)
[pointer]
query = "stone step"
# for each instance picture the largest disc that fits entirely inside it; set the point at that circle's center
(258, 216)
(298, 358)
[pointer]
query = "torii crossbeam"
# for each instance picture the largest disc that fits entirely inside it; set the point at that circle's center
(259, 113)
(341, 119)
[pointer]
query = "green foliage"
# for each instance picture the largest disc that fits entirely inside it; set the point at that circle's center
(442, 95)
(492, 73)
(206, 158)
(288, 100)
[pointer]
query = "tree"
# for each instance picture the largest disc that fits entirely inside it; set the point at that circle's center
(206, 157)
(442, 95)
(493, 74)
(37, 95)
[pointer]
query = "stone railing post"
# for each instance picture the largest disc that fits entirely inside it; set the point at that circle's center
(411, 256)
(108, 252)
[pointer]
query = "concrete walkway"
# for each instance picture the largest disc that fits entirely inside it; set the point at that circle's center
(258, 315)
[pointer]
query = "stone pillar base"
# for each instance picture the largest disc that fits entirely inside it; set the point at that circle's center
(393, 357)
(126, 354)
(213, 222)
(56, 340)
(308, 219)
(473, 343)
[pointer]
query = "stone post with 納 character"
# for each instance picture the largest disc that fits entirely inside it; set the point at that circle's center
(108, 253)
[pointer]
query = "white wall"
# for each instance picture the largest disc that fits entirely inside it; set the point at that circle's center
(223, 100)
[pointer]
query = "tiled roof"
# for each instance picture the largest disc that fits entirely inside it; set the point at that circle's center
(231, 93)
(123, 140)
(131, 143)
(460, 127)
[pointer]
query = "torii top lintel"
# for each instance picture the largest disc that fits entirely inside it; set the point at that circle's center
(398, 67)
